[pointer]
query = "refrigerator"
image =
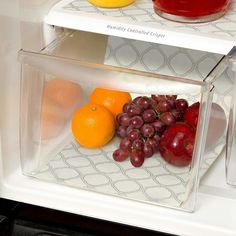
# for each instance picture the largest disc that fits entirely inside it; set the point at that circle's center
(132, 50)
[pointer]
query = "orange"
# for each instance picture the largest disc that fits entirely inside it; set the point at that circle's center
(113, 100)
(93, 126)
(52, 119)
(111, 3)
(65, 93)
(60, 99)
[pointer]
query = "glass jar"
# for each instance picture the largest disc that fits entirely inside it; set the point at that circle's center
(111, 3)
(191, 10)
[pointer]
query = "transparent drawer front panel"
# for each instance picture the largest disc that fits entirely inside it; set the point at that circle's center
(231, 135)
(53, 88)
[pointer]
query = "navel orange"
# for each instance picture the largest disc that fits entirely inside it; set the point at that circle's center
(52, 119)
(60, 99)
(93, 126)
(65, 93)
(113, 100)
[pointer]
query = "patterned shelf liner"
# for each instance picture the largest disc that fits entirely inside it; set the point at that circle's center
(139, 21)
(142, 11)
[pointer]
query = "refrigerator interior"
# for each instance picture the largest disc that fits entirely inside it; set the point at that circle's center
(15, 185)
(49, 151)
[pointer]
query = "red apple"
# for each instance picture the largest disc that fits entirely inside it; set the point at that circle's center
(191, 114)
(177, 144)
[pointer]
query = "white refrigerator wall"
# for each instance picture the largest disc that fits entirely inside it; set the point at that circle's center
(21, 27)
(9, 85)
(34, 33)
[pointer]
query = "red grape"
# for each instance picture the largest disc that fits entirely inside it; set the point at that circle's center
(171, 97)
(123, 119)
(134, 134)
(138, 144)
(137, 158)
(181, 105)
(118, 118)
(153, 104)
(178, 115)
(153, 143)
(158, 98)
(163, 106)
(149, 115)
(171, 103)
(167, 118)
(147, 130)
(144, 102)
(126, 144)
(120, 155)
(159, 126)
(156, 137)
(135, 100)
(126, 106)
(129, 128)
(121, 132)
(136, 122)
(148, 150)
(134, 110)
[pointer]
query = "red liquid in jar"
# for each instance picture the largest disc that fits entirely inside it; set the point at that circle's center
(190, 8)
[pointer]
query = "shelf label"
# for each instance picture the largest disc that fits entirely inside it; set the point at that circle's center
(136, 30)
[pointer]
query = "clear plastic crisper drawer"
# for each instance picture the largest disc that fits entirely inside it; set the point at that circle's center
(231, 134)
(59, 80)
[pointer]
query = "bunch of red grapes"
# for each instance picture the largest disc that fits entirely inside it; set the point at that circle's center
(142, 123)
